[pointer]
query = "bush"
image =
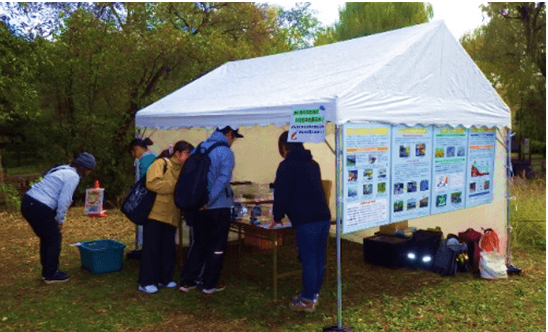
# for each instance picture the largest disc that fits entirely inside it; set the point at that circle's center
(10, 198)
(538, 147)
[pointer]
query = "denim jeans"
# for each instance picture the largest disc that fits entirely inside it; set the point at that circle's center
(311, 242)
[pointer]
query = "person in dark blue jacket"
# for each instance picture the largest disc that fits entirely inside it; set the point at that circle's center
(209, 227)
(298, 194)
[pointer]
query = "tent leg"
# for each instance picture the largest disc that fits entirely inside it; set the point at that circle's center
(338, 153)
(508, 194)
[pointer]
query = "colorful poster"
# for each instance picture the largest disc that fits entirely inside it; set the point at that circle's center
(366, 176)
(481, 165)
(308, 125)
(449, 169)
(411, 172)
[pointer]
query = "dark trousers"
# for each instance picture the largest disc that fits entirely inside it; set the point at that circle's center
(206, 253)
(157, 264)
(42, 220)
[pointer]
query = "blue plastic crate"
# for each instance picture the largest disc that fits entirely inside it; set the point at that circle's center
(102, 256)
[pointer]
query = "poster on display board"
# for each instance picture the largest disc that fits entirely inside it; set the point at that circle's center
(480, 166)
(366, 176)
(411, 172)
(450, 149)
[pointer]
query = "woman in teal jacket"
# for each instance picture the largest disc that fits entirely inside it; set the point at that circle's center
(143, 159)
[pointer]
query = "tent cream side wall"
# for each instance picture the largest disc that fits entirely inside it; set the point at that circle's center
(257, 159)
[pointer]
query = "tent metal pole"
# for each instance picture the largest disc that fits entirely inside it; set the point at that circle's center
(508, 194)
(338, 139)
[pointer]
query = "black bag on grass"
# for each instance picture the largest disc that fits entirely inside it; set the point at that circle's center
(139, 201)
(191, 189)
(451, 257)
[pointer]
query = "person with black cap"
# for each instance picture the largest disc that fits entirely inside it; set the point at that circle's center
(144, 157)
(208, 228)
(44, 207)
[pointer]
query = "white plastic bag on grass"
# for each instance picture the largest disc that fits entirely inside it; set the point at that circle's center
(492, 265)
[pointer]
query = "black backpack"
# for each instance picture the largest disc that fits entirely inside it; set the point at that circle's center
(139, 201)
(451, 259)
(191, 191)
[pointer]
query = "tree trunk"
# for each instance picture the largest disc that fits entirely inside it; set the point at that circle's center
(3, 195)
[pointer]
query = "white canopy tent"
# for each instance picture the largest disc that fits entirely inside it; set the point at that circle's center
(415, 75)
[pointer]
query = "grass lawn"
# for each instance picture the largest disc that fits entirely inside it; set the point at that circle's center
(374, 298)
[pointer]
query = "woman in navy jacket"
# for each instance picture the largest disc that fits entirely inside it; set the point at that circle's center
(298, 194)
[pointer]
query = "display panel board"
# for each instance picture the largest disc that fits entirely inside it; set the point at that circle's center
(394, 173)
(481, 166)
(366, 176)
(449, 169)
(411, 172)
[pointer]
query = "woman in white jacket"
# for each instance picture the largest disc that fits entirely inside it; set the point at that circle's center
(44, 207)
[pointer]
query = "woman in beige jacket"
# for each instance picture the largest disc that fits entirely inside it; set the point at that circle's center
(157, 263)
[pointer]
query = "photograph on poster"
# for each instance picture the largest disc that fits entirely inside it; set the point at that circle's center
(424, 185)
(398, 206)
(486, 185)
(450, 152)
(381, 187)
(439, 152)
(411, 187)
(373, 159)
(367, 189)
(420, 150)
(368, 174)
(456, 198)
(352, 191)
(423, 202)
(411, 204)
(351, 160)
(441, 200)
(353, 176)
(404, 151)
(382, 173)
(398, 188)
(461, 152)
(472, 187)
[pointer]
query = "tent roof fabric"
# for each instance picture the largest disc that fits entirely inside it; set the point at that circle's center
(415, 75)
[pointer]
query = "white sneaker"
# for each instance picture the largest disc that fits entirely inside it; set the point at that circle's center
(150, 289)
(171, 284)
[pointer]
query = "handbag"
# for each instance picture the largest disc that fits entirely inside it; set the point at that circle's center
(138, 203)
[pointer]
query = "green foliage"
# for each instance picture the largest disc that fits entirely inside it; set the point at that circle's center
(538, 147)
(18, 96)
(298, 25)
(12, 196)
(358, 19)
(107, 61)
(511, 51)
